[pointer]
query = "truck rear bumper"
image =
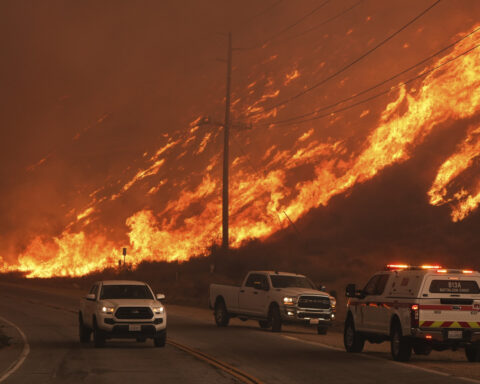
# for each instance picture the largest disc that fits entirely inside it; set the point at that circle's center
(447, 335)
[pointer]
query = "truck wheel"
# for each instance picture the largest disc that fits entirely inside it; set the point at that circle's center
(160, 340)
(275, 319)
(322, 330)
(221, 315)
(83, 331)
(472, 352)
(98, 336)
(422, 349)
(352, 339)
(264, 324)
(400, 346)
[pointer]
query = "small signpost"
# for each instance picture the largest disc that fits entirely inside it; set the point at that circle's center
(124, 255)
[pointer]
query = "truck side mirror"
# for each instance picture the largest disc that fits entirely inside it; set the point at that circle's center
(350, 291)
(160, 296)
(90, 296)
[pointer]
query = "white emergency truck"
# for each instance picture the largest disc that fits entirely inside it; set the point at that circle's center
(416, 308)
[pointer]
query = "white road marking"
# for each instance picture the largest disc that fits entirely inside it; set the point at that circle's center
(21, 358)
(326, 346)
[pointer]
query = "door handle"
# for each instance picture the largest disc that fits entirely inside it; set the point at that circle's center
(242, 290)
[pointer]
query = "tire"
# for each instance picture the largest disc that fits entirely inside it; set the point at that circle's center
(275, 319)
(98, 336)
(400, 346)
(221, 315)
(322, 330)
(84, 332)
(352, 340)
(472, 352)
(422, 349)
(160, 340)
(264, 324)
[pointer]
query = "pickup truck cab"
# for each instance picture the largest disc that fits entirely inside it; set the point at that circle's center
(273, 298)
(416, 308)
(122, 309)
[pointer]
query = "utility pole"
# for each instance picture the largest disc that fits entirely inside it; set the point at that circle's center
(226, 134)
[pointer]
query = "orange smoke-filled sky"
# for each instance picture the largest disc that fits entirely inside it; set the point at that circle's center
(101, 100)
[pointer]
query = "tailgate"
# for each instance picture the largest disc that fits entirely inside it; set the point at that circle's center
(450, 302)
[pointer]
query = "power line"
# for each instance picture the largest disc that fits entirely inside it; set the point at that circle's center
(326, 107)
(287, 28)
(349, 65)
(423, 74)
(261, 13)
(340, 14)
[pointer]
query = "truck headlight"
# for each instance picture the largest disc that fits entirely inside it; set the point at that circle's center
(158, 310)
(108, 310)
(289, 300)
(333, 303)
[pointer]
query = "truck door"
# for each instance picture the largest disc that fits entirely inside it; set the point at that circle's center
(377, 315)
(366, 305)
(253, 295)
(91, 305)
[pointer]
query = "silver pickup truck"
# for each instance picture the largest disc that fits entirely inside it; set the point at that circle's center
(273, 298)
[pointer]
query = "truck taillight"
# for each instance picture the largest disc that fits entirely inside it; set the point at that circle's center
(414, 315)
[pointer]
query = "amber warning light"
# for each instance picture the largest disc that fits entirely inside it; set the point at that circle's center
(397, 266)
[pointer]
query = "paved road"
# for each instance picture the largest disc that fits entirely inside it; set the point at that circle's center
(293, 356)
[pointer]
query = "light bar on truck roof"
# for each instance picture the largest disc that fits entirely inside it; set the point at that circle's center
(397, 266)
(467, 271)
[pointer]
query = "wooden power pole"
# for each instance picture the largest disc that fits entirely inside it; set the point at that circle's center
(226, 134)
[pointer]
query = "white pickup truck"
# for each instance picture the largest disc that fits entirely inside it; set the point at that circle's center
(273, 298)
(122, 309)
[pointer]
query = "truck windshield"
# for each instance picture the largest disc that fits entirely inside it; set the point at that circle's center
(454, 286)
(279, 281)
(125, 292)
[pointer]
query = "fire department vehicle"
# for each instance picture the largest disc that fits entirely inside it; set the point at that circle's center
(416, 308)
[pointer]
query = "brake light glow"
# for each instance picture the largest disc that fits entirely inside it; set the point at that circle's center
(429, 337)
(414, 316)
(431, 267)
(441, 270)
(467, 271)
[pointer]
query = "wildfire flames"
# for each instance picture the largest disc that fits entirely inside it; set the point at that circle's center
(263, 200)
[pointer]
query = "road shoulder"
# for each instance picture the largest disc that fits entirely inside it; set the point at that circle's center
(12, 348)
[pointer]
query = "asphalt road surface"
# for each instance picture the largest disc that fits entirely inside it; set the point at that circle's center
(199, 353)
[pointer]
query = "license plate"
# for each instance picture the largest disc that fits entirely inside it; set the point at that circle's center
(134, 327)
(455, 334)
(314, 321)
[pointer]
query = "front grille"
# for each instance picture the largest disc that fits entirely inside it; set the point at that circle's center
(134, 313)
(315, 302)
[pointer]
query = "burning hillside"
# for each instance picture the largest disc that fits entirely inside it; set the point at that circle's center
(303, 148)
